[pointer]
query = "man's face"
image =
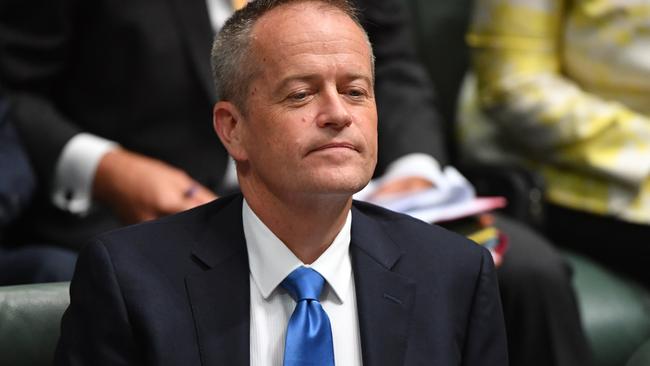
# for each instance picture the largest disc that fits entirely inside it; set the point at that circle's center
(311, 126)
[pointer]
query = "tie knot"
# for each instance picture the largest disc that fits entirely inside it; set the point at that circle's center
(304, 284)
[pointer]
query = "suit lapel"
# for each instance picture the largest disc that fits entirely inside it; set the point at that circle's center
(220, 295)
(194, 22)
(384, 298)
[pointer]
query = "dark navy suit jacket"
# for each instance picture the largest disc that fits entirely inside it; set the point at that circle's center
(176, 292)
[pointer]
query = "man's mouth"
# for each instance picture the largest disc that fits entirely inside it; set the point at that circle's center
(336, 145)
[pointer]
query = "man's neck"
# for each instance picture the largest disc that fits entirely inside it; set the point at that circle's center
(306, 225)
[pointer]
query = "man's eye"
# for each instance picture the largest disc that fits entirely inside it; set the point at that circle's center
(299, 96)
(356, 93)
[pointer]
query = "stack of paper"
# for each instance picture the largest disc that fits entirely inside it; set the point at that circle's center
(453, 197)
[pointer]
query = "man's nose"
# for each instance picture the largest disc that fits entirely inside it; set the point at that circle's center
(334, 111)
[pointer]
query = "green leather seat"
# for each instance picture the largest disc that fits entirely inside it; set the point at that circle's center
(641, 357)
(30, 316)
(615, 312)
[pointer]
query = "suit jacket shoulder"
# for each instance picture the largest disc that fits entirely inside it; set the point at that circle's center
(425, 295)
(168, 292)
(425, 247)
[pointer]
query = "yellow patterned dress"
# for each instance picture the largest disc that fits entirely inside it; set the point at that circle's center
(566, 86)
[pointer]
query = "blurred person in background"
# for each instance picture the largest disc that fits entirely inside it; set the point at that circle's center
(113, 105)
(565, 85)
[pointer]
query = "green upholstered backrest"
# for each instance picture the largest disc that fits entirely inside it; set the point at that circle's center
(30, 316)
(641, 357)
(615, 312)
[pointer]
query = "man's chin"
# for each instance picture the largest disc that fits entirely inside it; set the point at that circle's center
(341, 186)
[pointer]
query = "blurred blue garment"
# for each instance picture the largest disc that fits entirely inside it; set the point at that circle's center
(34, 263)
(17, 180)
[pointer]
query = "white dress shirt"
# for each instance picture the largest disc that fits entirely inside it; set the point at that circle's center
(270, 261)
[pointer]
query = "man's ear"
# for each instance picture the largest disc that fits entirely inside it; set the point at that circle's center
(228, 124)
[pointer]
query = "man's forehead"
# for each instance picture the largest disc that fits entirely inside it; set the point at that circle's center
(300, 20)
(293, 10)
(307, 28)
(315, 45)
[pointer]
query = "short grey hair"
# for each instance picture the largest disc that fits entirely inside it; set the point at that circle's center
(233, 67)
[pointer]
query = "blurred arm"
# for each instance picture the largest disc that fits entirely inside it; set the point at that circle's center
(517, 57)
(408, 121)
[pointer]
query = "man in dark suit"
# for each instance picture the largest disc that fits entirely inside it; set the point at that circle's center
(297, 113)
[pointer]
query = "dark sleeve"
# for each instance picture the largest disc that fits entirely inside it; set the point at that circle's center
(485, 342)
(95, 329)
(35, 49)
(408, 121)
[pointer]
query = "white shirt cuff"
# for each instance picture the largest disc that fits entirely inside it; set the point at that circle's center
(75, 172)
(219, 11)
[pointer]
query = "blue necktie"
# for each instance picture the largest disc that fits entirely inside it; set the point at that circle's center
(309, 334)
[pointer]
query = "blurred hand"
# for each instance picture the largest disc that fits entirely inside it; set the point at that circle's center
(497, 258)
(140, 188)
(401, 186)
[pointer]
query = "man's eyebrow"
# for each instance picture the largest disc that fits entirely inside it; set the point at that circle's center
(293, 78)
(311, 77)
(359, 76)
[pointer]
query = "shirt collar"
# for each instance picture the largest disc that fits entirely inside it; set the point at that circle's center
(270, 261)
